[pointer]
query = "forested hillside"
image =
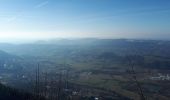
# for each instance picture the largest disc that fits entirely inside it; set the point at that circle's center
(7, 93)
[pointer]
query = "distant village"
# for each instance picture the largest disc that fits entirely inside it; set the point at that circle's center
(160, 77)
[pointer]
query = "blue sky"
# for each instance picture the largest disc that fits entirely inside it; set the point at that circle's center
(40, 19)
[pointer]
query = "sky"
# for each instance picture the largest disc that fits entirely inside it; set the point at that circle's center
(44, 19)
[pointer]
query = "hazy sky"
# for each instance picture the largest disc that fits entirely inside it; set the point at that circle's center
(25, 19)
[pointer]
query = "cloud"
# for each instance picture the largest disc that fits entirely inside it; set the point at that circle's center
(42, 4)
(13, 18)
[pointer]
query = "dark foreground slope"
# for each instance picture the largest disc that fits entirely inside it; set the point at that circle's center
(7, 93)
